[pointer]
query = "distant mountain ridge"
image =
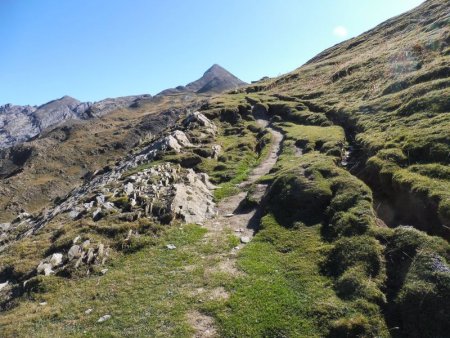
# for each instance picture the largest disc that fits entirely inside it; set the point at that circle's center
(21, 123)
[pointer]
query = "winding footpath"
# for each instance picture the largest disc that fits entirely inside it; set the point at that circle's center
(242, 222)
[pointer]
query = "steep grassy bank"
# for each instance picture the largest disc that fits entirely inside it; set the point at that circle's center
(389, 90)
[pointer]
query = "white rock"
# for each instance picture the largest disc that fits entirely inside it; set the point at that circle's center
(43, 303)
(100, 199)
(171, 247)
(229, 215)
(3, 285)
(245, 239)
(181, 138)
(76, 239)
(86, 244)
(101, 250)
(129, 188)
(90, 256)
(104, 318)
(88, 311)
(104, 271)
(56, 259)
(74, 252)
(45, 268)
(88, 206)
(5, 226)
(73, 214)
(96, 214)
(109, 205)
(217, 149)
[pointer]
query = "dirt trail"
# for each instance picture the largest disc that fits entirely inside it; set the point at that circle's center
(231, 217)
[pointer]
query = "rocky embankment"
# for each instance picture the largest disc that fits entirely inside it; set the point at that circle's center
(139, 187)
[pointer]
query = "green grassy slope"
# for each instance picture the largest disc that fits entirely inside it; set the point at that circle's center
(354, 237)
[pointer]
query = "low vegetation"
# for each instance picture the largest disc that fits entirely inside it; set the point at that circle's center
(351, 235)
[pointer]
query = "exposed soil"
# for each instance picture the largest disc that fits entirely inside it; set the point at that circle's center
(202, 324)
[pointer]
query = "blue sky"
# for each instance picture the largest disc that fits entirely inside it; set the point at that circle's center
(93, 49)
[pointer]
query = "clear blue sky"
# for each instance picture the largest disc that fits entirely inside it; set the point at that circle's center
(93, 49)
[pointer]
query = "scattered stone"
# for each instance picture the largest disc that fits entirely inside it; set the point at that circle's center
(166, 191)
(239, 230)
(88, 311)
(43, 303)
(229, 215)
(74, 214)
(86, 244)
(171, 247)
(97, 214)
(45, 268)
(100, 199)
(88, 206)
(3, 285)
(108, 205)
(74, 252)
(217, 149)
(103, 318)
(245, 239)
(5, 226)
(56, 259)
(129, 188)
(104, 271)
(101, 250)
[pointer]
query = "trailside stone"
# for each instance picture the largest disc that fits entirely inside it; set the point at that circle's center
(56, 259)
(103, 318)
(245, 239)
(45, 268)
(3, 285)
(74, 252)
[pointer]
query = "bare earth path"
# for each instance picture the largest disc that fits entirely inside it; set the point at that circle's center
(242, 223)
(229, 215)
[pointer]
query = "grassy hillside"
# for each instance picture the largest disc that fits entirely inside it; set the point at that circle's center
(351, 233)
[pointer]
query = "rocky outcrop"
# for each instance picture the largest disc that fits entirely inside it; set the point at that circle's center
(107, 106)
(79, 254)
(164, 192)
(12, 159)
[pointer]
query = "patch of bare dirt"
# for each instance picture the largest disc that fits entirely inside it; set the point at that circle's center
(202, 324)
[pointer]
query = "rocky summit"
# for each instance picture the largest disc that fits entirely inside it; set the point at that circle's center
(313, 204)
(215, 80)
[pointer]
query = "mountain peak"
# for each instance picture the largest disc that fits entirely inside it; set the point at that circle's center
(215, 67)
(216, 79)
